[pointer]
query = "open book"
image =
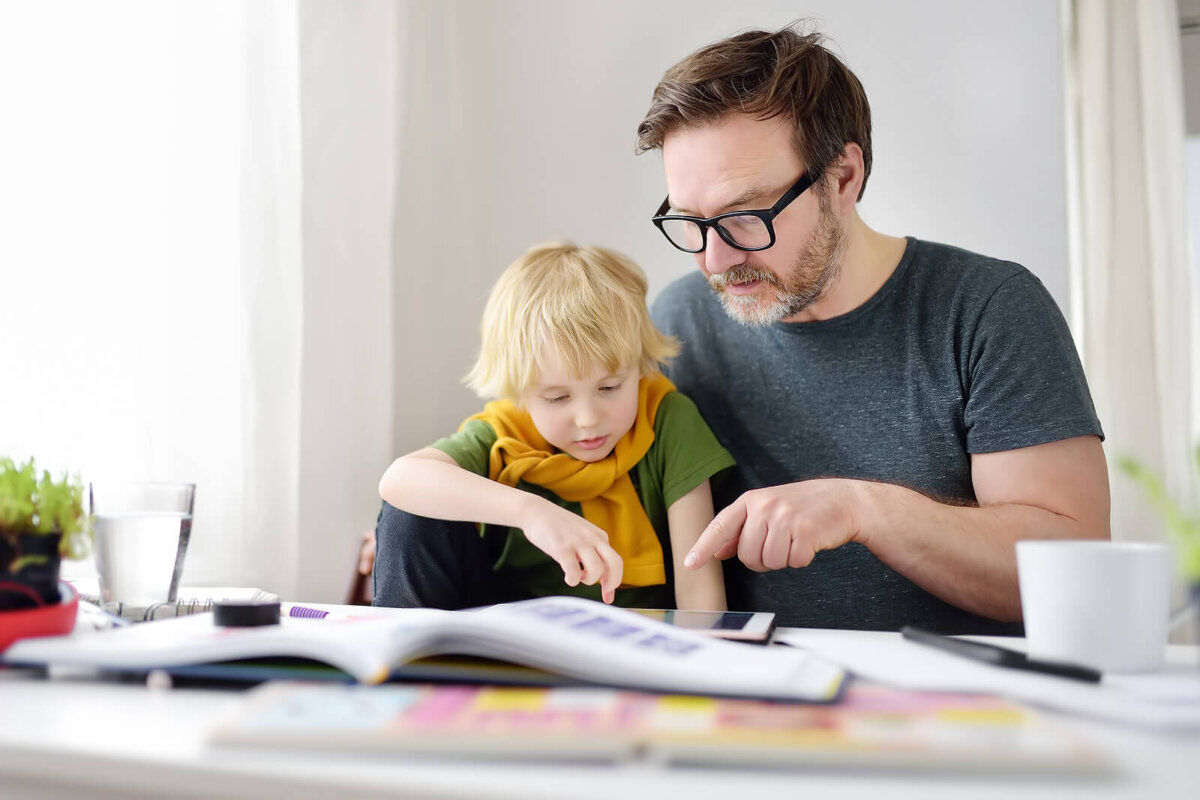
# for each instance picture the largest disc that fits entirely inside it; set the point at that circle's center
(581, 639)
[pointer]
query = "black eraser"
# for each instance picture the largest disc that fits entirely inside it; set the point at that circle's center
(245, 613)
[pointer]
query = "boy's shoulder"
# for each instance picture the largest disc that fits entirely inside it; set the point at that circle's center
(675, 403)
(677, 416)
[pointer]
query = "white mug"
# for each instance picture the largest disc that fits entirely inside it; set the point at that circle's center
(1102, 604)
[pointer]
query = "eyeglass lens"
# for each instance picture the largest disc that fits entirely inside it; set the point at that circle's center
(743, 231)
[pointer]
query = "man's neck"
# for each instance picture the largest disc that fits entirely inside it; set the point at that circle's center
(869, 260)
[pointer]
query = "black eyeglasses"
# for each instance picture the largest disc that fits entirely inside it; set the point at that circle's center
(744, 230)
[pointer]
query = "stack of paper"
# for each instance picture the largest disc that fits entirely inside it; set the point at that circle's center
(1168, 699)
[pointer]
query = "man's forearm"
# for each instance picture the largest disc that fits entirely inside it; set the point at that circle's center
(964, 555)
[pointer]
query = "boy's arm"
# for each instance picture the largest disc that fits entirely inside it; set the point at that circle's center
(429, 483)
(703, 589)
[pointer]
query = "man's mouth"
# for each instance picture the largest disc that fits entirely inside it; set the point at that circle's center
(743, 287)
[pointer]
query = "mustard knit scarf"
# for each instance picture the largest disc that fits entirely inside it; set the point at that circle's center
(603, 488)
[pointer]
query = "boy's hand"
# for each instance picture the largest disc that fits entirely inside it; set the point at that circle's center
(366, 552)
(579, 547)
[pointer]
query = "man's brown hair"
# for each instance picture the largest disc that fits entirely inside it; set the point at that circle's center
(766, 75)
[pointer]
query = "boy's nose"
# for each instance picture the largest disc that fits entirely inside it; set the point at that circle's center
(585, 416)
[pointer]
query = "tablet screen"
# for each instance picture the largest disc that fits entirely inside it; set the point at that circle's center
(752, 626)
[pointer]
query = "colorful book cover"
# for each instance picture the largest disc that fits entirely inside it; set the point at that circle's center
(873, 726)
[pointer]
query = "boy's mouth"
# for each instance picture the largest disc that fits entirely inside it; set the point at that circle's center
(595, 443)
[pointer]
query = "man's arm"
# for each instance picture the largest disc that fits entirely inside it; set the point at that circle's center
(963, 555)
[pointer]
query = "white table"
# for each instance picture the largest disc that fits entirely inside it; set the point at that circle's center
(77, 738)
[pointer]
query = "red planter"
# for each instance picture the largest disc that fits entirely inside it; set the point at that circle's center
(54, 620)
(35, 583)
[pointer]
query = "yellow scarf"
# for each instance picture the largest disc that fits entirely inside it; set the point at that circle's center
(603, 488)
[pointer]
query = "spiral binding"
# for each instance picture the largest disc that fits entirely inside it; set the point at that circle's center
(310, 613)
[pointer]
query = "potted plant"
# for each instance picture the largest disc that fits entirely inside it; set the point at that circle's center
(1183, 529)
(41, 521)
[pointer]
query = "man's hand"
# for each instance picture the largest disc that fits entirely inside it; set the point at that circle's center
(579, 547)
(782, 526)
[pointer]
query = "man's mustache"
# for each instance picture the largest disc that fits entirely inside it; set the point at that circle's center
(742, 273)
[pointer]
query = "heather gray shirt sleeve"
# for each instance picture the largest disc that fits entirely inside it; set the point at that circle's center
(1025, 384)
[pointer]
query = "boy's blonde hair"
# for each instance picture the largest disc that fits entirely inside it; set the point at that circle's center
(587, 304)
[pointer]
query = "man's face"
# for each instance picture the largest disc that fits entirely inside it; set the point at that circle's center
(742, 163)
(583, 417)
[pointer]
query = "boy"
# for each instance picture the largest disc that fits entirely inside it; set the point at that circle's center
(589, 461)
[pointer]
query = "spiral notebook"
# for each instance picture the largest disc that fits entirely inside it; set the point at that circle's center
(191, 600)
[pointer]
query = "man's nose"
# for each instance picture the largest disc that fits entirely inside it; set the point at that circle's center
(718, 255)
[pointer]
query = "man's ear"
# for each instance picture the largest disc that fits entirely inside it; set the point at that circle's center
(847, 175)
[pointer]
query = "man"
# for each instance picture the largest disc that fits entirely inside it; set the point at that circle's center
(901, 412)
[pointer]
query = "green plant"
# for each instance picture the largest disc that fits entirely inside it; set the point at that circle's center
(33, 505)
(1182, 528)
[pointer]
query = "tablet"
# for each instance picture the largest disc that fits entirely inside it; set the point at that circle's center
(742, 626)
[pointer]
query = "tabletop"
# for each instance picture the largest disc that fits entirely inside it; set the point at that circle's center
(66, 735)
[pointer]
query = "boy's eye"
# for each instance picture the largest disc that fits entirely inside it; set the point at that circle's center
(558, 398)
(612, 387)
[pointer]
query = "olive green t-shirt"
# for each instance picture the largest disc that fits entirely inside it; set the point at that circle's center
(683, 455)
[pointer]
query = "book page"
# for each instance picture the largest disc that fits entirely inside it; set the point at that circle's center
(618, 647)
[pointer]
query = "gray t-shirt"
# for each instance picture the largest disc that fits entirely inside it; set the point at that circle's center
(955, 354)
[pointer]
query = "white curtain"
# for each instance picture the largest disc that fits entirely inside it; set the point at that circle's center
(120, 252)
(1134, 293)
(272, 292)
(316, 226)
(349, 117)
(195, 266)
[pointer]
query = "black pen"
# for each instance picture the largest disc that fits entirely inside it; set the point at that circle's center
(999, 656)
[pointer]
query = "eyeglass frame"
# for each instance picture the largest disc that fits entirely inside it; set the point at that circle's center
(767, 215)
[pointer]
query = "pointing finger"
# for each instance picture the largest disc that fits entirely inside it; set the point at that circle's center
(611, 579)
(722, 531)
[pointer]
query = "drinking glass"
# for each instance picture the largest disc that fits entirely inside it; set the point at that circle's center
(141, 533)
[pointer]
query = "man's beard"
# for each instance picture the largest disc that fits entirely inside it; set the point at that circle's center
(815, 268)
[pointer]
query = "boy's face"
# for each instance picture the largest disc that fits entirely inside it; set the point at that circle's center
(584, 418)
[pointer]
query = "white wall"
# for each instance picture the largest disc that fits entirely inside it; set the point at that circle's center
(519, 119)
